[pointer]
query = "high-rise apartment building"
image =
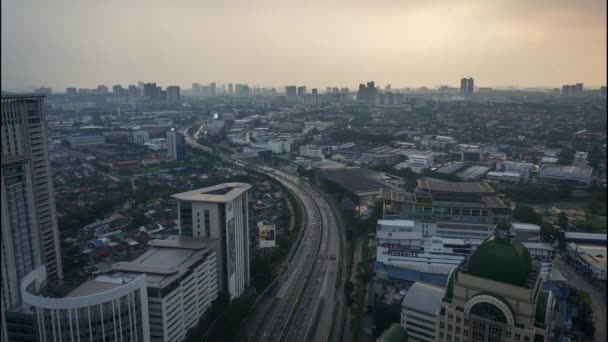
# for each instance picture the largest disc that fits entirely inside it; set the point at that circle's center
(463, 87)
(151, 91)
(470, 86)
(315, 96)
(176, 145)
(70, 91)
(366, 93)
(117, 90)
(220, 212)
(230, 88)
(572, 89)
(212, 88)
(133, 92)
(102, 89)
(291, 92)
(301, 91)
(29, 224)
(173, 94)
(466, 87)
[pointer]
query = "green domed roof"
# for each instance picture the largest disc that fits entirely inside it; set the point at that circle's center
(502, 260)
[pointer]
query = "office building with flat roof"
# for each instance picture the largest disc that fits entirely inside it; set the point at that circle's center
(220, 212)
(181, 281)
(452, 209)
(575, 176)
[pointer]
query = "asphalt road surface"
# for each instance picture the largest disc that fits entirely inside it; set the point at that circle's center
(598, 298)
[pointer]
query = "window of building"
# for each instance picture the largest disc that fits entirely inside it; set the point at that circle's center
(457, 330)
(449, 327)
(517, 337)
(458, 319)
(466, 322)
(489, 311)
(207, 224)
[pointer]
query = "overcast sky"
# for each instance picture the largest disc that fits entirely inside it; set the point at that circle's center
(319, 43)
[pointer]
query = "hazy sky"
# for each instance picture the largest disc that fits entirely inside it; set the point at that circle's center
(319, 43)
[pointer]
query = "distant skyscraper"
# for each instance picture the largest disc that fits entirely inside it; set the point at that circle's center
(220, 212)
(117, 90)
(572, 89)
(328, 90)
(291, 92)
(463, 87)
(603, 91)
(367, 93)
(29, 223)
(176, 145)
(387, 88)
(315, 96)
(102, 89)
(344, 90)
(230, 88)
(470, 86)
(70, 91)
(173, 94)
(212, 89)
(151, 91)
(133, 92)
(466, 87)
(43, 91)
(301, 91)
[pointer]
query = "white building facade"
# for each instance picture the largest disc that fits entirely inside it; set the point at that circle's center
(181, 281)
(103, 309)
(220, 212)
(412, 245)
(524, 169)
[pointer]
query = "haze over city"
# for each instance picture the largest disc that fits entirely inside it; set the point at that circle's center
(274, 43)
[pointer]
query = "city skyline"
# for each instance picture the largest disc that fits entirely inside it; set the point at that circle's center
(507, 43)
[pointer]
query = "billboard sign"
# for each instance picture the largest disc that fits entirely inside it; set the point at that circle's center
(267, 236)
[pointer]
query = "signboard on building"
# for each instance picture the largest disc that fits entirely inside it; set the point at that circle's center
(267, 236)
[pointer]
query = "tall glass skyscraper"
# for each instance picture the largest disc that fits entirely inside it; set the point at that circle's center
(30, 236)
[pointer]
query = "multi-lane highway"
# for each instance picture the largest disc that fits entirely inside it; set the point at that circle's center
(300, 304)
(305, 296)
